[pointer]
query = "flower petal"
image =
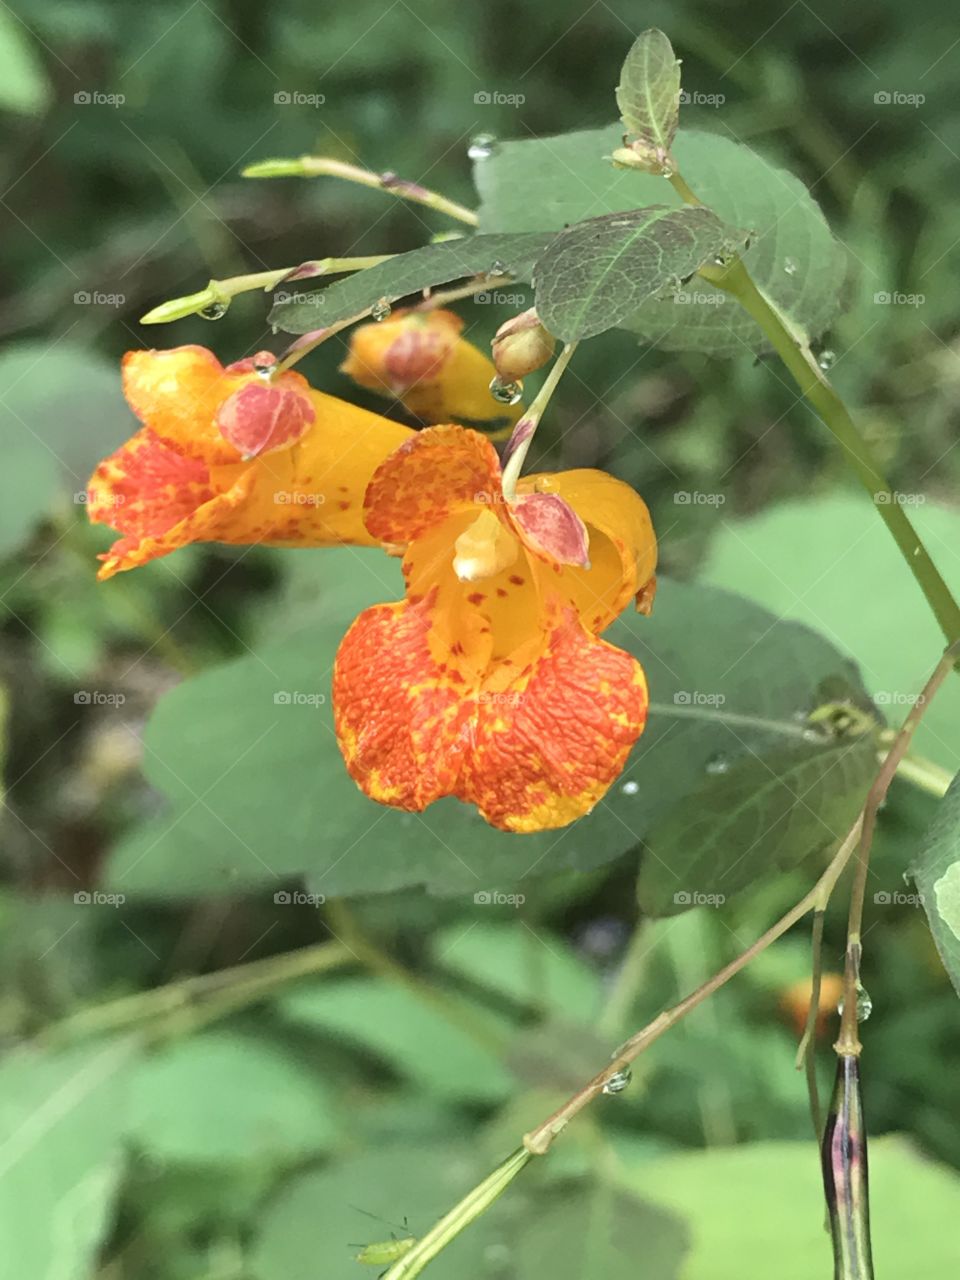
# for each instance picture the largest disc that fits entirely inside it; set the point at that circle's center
(435, 474)
(400, 714)
(549, 742)
(260, 418)
(551, 528)
(177, 394)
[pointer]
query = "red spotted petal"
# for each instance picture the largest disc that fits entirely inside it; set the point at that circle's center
(261, 418)
(401, 715)
(550, 527)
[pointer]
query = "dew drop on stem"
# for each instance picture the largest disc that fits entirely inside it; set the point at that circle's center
(630, 788)
(618, 1081)
(215, 311)
(827, 359)
(481, 147)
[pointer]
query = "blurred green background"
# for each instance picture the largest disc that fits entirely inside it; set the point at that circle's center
(249, 1145)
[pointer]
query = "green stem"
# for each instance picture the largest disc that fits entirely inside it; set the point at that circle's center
(525, 429)
(795, 353)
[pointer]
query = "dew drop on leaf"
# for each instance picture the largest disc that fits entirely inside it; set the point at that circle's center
(497, 268)
(618, 1081)
(718, 763)
(481, 147)
(630, 788)
(790, 266)
(381, 309)
(827, 359)
(215, 311)
(506, 392)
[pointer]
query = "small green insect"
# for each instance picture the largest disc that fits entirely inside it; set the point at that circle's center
(384, 1252)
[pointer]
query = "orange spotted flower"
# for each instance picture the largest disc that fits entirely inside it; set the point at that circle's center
(226, 455)
(421, 359)
(488, 682)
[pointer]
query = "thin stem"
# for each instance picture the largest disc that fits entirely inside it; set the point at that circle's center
(326, 166)
(848, 1042)
(794, 351)
(523, 433)
(925, 774)
(805, 1054)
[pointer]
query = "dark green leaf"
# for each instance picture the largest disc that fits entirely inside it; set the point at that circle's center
(259, 791)
(407, 273)
(597, 273)
(649, 91)
(548, 183)
(936, 872)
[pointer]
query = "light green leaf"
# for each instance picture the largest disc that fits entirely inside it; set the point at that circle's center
(277, 802)
(749, 1205)
(24, 84)
(231, 1098)
(830, 563)
(598, 272)
(396, 1024)
(648, 94)
(547, 184)
(936, 872)
(61, 1158)
(408, 273)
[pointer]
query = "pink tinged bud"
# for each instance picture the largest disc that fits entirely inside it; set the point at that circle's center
(550, 526)
(261, 418)
(416, 356)
(305, 271)
(521, 346)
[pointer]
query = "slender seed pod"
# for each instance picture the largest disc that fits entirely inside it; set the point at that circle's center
(844, 1158)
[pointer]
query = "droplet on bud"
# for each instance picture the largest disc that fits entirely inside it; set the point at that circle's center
(630, 788)
(215, 311)
(481, 147)
(381, 309)
(506, 392)
(618, 1081)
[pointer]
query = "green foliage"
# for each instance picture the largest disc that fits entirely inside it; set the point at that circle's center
(599, 272)
(649, 91)
(936, 872)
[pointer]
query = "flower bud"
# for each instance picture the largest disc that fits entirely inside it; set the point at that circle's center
(522, 345)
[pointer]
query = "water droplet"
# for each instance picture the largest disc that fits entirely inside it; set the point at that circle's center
(618, 1081)
(274, 329)
(497, 268)
(264, 368)
(215, 311)
(506, 392)
(630, 788)
(827, 359)
(381, 309)
(718, 763)
(481, 147)
(864, 1004)
(790, 267)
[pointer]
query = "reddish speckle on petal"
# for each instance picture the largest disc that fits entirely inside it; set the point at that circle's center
(551, 527)
(262, 417)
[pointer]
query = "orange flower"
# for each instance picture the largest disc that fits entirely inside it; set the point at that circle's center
(227, 456)
(421, 359)
(488, 682)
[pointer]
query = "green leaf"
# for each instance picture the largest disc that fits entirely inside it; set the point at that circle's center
(229, 1098)
(936, 873)
(589, 1229)
(259, 791)
(648, 94)
(407, 273)
(851, 583)
(596, 274)
(61, 1157)
(546, 184)
(24, 85)
(396, 1024)
(748, 1205)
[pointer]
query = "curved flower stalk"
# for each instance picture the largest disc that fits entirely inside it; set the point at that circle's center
(488, 682)
(422, 359)
(232, 455)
